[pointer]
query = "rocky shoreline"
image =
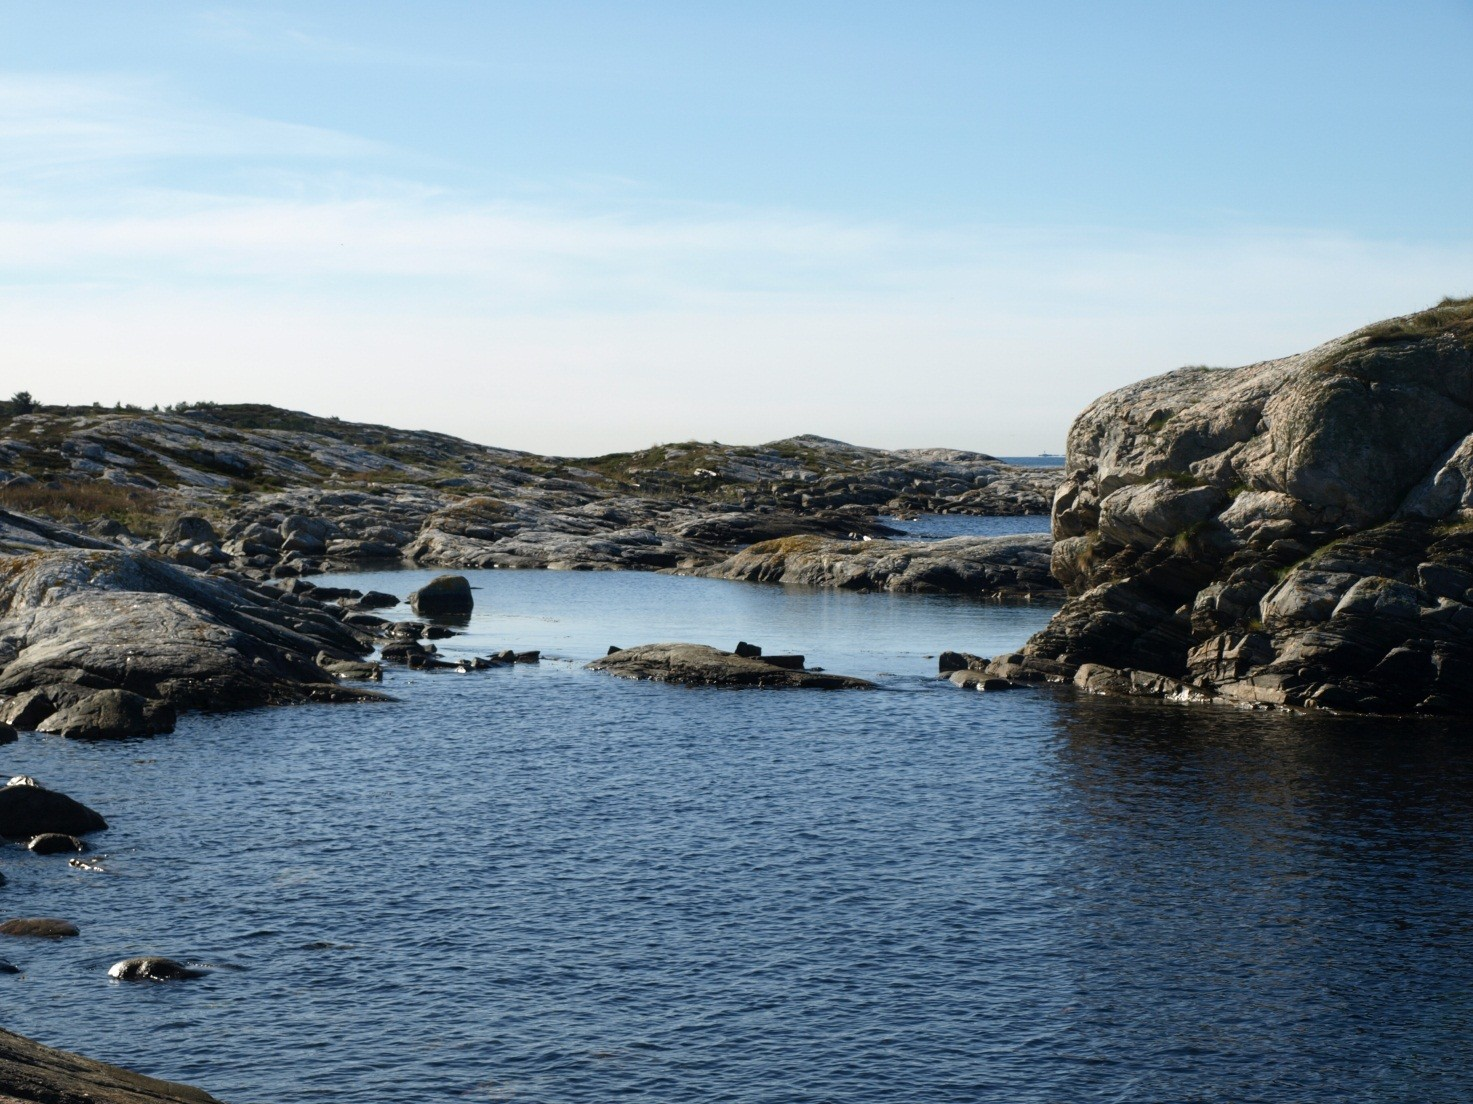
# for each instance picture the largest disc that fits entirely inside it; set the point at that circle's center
(1294, 533)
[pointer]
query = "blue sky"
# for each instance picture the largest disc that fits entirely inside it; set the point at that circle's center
(581, 227)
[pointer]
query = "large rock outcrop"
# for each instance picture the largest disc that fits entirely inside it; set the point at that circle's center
(107, 641)
(1297, 532)
(978, 567)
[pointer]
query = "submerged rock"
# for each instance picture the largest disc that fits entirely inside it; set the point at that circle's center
(152, 968)
(701, 665)
(54, 843)
(39, 927)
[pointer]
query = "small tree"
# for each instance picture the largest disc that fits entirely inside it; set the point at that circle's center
(22, 403)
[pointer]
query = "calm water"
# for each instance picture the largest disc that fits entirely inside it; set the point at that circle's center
(930, 527)
(546, 885)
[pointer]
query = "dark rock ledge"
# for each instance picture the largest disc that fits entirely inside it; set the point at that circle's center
(701, 665)
(34, 1074)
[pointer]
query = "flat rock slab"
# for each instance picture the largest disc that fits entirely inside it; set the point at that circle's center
(702, 665)
(40, 1074)
(39, 927)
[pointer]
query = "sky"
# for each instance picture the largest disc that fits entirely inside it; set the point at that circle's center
(576, 228)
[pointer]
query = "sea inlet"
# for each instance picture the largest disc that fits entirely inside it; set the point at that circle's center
(542, 884)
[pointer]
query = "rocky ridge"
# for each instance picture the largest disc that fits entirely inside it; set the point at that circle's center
(278, 493)
(1297, 532)
(999, 567)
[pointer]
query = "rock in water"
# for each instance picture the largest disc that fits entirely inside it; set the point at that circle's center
(39, 927)
(701, 665)
(28, 810)
(83, 621)
(110, 714)
(1297, 532)
(7, 734)
(54, 843)
(446, 594)
(32, 1072)
(152, 968)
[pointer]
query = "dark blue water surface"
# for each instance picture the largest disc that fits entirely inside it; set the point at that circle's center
(930, 527)
(547, 885)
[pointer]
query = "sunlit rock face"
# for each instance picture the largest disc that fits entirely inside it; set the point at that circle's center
(1297, 532)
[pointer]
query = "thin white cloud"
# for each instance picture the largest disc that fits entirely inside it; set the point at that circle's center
(274, 34)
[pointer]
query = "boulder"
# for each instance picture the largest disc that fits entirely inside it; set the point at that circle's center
(54, 843)
(111, 714)
(701, 665)
(152, 968)
(28, 810)
(948, 662)
(189, 528)
(39, 927)
(7, 734)
(447, 594)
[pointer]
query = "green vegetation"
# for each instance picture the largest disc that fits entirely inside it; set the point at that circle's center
(82, 502)
(20, 403)
(1452, 316)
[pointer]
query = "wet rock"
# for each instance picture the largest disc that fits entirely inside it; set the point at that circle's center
(28, 709)
(54, 843)
(110, 715)
(31, 1072)
(980, 680)
(39, 927)
(948, 662)
(8, 734)
(701, 665)
(152, 968)
(8, 967)
(447, 594)
(527, 657)
(351, 669)
(28, 810)
(747, 651)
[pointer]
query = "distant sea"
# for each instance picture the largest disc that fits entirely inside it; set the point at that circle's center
(1042, 460)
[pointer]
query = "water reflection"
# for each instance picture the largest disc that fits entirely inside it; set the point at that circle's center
(1268, 906)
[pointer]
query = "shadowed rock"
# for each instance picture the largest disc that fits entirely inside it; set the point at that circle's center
(54, 843)
(701, 665)
(110, 714)
(39, 927)
(447, 594)
(36, 1074)
(32, 810)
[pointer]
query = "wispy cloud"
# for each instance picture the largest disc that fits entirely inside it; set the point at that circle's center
(605, 318)
(276, 34)
(51, 125)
